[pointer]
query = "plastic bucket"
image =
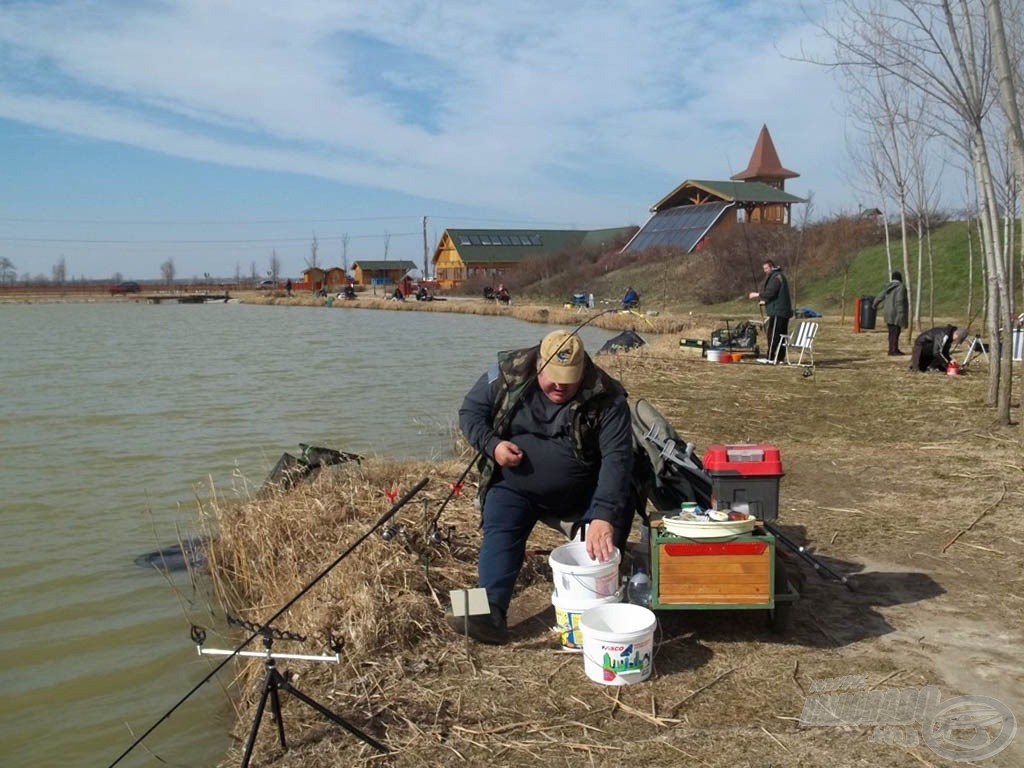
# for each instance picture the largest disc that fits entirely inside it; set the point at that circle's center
(618, 643)
(567, 617)
(577, 577)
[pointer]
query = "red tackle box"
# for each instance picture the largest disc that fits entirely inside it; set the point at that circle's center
(745, 474)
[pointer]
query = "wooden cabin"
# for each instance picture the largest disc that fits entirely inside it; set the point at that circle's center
(382, 272)
(335, 279)
(491, 254)
(312, 280)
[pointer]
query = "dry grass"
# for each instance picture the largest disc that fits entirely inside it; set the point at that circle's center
(899, 480)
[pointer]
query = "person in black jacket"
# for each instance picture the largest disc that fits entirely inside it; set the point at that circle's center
(556, 443)
(778, 307)
(931, 348)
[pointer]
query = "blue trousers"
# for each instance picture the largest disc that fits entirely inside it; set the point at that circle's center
(508, 518)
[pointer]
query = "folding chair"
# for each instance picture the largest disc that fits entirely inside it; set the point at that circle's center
(802, 340)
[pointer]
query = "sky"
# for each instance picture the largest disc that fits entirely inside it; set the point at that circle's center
(221, 133)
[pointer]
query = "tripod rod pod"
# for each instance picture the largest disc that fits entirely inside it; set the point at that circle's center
(273, 682)
(391, 512)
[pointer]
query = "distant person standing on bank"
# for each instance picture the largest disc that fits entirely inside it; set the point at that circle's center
(778, 307)
(897, 310)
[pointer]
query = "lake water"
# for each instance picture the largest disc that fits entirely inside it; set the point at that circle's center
(115, 418)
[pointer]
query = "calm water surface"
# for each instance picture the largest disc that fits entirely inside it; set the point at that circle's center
(114, 419)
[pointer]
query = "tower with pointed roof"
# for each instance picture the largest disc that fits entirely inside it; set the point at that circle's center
(766, 168)
(764, 164)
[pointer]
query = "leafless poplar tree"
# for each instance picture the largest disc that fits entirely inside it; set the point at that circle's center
(942, 50)
(314, 254)
(60, 271)
(275, 266)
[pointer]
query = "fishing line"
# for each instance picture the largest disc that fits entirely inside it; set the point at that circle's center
(383, 519)
(456, 487)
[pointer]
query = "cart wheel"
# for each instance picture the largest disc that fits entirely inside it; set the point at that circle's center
(780, 617)
(782, 614)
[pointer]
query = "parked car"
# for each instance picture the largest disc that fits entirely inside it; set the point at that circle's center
(129, 286)
(266, 285)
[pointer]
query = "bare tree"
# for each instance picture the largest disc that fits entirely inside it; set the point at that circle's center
(941, 50)
(344, 253)
(275, 266)
(314, 250)
(8, 272)
(167, 270)
(60, 271)
(1009, 101)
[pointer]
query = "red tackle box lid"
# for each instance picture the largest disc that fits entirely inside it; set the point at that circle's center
(753, 459)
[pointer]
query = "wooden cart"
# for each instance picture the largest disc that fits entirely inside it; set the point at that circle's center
(741, 572)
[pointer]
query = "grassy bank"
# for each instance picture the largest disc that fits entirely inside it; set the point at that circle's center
(895, 479)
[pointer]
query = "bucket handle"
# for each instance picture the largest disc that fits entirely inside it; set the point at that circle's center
(568, 578)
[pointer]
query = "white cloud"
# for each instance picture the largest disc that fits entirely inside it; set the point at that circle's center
(582, 111)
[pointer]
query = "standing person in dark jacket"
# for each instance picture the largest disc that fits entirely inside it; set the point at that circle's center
(778, 307)
(556, 446)
(931, 348)
(897, 310)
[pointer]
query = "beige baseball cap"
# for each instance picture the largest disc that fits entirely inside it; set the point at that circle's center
(561, 355)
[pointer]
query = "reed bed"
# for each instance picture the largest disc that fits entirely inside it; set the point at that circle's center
(897, 480)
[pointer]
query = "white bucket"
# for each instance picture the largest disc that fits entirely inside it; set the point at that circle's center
(567, 617)
(618, 643)
(577, 577)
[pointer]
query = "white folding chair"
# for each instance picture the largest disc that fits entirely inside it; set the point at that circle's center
(800, 343)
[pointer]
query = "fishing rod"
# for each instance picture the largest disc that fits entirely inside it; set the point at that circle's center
(456, 487)
(803, 552)
(257, 633)
(750, 264)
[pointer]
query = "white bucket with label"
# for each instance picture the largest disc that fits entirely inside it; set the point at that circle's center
(577, 577)
(618, 643)
(567, 617)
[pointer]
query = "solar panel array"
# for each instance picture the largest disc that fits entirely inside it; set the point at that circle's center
(680, 227)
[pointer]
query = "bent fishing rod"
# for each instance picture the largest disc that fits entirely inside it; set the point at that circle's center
(456, 487)
(383, 519)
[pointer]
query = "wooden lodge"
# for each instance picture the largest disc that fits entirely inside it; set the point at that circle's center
(489, 254)
(688, 215)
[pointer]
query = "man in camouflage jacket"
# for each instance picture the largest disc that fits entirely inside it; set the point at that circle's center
(556, 446)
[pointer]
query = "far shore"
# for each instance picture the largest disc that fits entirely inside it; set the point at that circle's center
(606, 316)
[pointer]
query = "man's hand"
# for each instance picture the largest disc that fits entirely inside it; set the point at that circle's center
(508, 454)
(600, 546)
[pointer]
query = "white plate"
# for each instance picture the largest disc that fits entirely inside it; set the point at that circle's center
(698, 529)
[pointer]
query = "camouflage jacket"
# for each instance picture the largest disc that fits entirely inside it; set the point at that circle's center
(515, 374)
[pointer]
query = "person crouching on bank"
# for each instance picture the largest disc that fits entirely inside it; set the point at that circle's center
(931, 348)
(556, 447)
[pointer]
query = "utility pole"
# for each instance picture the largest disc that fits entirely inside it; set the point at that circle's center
(426, 271)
